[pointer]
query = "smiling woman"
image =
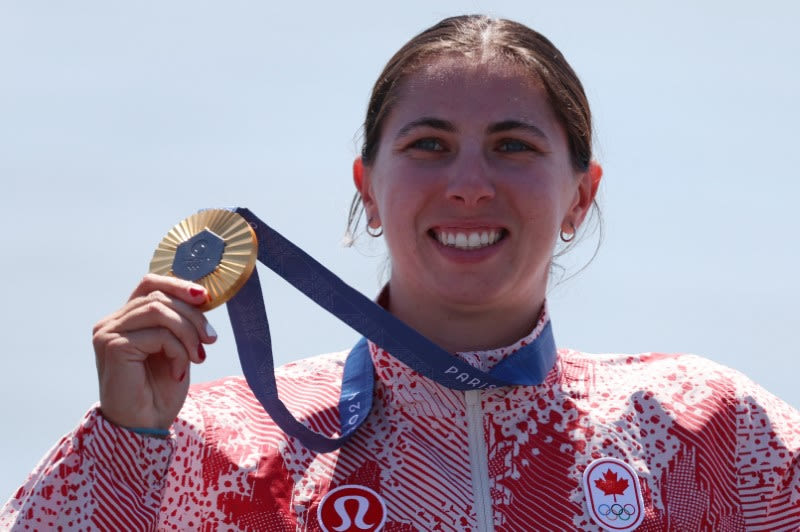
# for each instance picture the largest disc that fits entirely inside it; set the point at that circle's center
(472, 148)
(477, 159)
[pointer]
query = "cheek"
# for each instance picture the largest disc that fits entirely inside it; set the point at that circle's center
(551, 196)
(398, 213)
(541, 217)
(391, 204)
(536, 200)
(400, 201)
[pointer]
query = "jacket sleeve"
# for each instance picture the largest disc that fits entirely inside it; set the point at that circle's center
(768, 460)
(100, 476)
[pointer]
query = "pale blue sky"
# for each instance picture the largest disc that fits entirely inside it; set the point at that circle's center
(116, 121)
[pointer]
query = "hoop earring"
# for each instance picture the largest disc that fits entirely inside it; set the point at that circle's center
(570, 236)
(374, 233)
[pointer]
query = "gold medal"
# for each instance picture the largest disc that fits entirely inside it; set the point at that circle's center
(216, 248)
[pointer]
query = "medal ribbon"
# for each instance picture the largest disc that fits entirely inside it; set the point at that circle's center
(527, 366)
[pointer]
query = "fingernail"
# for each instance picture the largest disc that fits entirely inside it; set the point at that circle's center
(201, 352)
(183, 376)
(194, 292)
(210, 330)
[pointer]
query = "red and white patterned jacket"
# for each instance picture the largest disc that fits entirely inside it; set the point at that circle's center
(712, 451)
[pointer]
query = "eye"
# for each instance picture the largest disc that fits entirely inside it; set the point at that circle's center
(427, 144)
(514, 145)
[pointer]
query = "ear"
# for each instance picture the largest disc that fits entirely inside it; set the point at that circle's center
(588, 183)
(363, 183)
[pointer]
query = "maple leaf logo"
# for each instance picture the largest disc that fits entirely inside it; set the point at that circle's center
(611, 484)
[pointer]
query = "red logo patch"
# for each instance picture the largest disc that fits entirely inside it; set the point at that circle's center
(613, 494)
(351, 508)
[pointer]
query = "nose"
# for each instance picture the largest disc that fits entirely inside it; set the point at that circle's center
(470, 181)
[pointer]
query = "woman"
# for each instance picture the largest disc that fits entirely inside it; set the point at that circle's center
(476, 160)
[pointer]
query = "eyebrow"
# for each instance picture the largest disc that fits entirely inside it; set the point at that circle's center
(508, 125)
(444, 125)
(427, 121)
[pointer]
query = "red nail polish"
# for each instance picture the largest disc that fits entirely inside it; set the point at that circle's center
(201, 352)
(194, 292)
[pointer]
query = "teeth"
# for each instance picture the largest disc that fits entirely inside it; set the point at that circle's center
(474, 240)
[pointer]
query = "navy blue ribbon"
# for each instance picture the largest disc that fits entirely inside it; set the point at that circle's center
(528, 366)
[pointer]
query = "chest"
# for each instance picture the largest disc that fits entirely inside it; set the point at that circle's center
(501, 462)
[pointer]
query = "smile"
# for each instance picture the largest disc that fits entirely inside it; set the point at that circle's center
(468, 240)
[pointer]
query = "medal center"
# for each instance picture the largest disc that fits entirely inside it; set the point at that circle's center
(198, 256)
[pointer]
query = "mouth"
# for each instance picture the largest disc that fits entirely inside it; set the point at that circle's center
(468, 239)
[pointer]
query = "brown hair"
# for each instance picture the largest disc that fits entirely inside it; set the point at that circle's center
(479, 34)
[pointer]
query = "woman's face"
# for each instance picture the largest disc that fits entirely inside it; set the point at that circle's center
(472, 183)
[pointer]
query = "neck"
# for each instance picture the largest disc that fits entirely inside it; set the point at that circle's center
(458, 328)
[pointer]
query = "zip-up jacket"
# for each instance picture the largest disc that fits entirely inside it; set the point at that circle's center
(711, 451)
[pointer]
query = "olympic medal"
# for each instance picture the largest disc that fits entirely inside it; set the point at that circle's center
(215, 248)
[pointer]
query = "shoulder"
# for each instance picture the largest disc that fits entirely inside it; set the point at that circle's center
(686, 417)
(691, 388)
(673, 372)
(653, 362)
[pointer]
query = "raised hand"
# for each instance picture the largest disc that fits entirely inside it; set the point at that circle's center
(144, 350)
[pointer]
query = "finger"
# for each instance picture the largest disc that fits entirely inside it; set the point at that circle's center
(204, 329)
(157, 310)
(187, 291)
(140, 345)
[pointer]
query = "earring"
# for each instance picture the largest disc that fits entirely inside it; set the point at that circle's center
(374, 233)
(569, 237)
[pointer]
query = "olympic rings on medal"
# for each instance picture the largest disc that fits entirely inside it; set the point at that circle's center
(616, 511)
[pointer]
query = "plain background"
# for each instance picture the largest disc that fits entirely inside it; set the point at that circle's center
(118, 120)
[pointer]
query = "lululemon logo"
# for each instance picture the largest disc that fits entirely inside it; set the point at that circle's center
(351, 508)
(613, 494)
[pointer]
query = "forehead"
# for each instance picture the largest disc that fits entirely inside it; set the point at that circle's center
(487, 67)
(490, 86)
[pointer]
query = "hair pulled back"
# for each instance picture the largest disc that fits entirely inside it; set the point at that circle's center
(481, 36)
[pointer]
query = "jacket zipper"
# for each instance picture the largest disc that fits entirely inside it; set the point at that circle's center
(478, 462)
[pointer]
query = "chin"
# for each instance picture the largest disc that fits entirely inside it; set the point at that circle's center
(468, 295)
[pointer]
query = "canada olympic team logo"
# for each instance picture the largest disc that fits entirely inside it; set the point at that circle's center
(351, 508)
(613, 494)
